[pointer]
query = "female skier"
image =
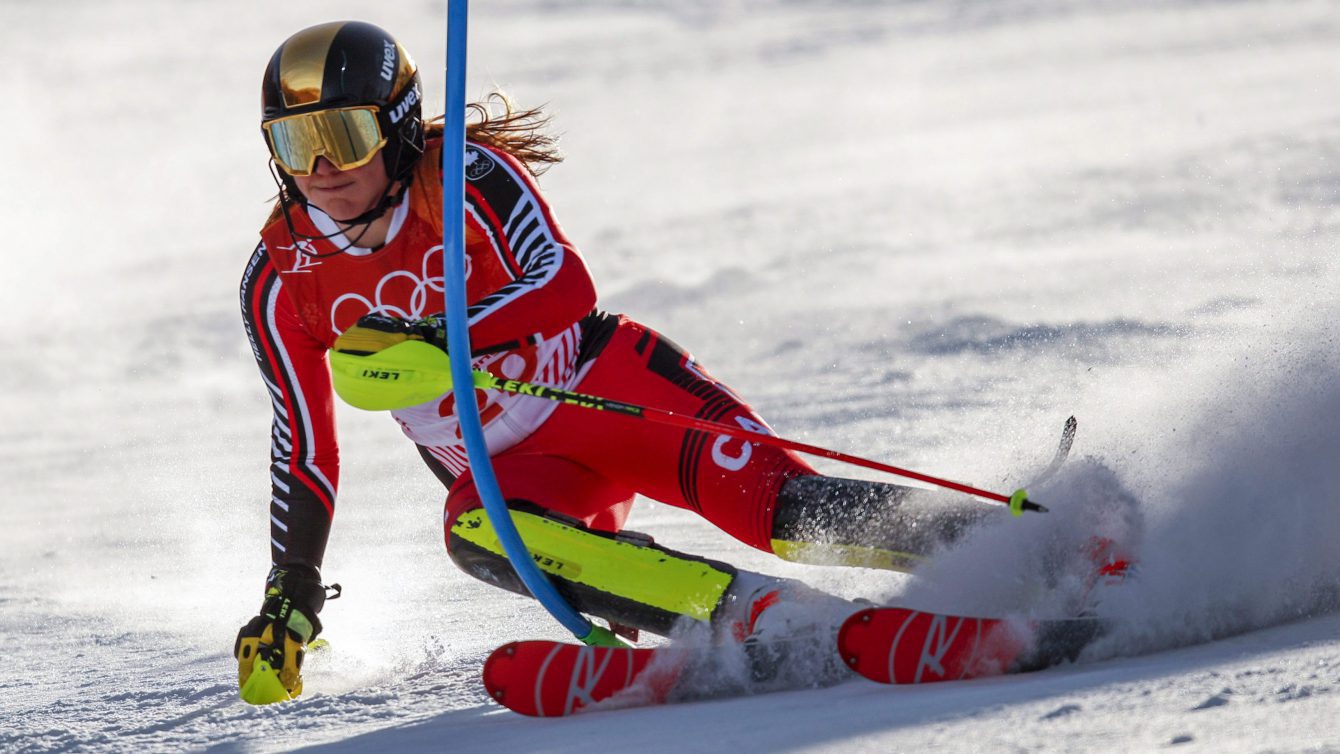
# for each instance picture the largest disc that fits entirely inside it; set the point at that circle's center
(349, 264)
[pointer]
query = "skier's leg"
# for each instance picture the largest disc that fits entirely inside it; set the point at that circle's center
(570, 518)
(832, 521)
(624, 578)
(766, 497)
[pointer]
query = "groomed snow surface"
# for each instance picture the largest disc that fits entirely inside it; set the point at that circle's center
(925, 232)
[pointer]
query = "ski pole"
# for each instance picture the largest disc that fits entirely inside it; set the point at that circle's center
(1017, 502)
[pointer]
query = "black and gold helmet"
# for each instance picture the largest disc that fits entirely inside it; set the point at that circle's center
(346, 91)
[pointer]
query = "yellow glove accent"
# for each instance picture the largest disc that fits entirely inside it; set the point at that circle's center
(258, 680)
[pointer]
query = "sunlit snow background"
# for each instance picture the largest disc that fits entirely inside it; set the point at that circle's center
(925, 232)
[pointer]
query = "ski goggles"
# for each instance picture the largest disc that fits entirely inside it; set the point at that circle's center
(348, 136)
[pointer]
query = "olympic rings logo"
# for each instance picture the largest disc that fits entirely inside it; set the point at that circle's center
(425, 294)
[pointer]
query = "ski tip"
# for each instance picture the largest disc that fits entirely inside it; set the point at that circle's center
(545, 678)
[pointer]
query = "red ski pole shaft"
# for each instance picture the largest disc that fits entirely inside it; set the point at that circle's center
(1018, 502)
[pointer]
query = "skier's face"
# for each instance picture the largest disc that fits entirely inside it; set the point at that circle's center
(344, 194)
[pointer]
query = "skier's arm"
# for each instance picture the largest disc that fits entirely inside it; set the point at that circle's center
(304, 471)
(304, 456)
(552, 288)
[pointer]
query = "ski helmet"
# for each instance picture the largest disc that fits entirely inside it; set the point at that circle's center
(344, 90)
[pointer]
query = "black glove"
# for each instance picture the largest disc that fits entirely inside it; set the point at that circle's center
(376, 332)
(270, 647)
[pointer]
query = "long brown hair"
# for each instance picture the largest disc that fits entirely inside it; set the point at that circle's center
(498, 123)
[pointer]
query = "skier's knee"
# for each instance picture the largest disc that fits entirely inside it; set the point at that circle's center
(463, 531)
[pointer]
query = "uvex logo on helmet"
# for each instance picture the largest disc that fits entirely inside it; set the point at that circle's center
(406, 103)
(388, 59)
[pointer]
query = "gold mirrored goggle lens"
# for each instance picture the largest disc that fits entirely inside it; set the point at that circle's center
(348, 137)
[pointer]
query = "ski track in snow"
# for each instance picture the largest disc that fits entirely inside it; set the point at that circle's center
(925, 232)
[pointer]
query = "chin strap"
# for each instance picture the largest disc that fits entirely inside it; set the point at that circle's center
(288, 189)
(389, 199)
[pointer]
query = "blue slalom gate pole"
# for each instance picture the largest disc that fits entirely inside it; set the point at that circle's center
(458, 340)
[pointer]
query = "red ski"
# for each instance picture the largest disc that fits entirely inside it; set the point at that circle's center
(552, 679)
(900, 645)
(887, 644)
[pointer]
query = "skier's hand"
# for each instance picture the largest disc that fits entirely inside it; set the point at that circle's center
(270, 647)
(383, 363)
(376, 332)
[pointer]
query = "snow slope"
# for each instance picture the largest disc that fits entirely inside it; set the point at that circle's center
(922, 231)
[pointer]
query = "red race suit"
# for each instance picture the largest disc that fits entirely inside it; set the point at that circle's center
(532, 318)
